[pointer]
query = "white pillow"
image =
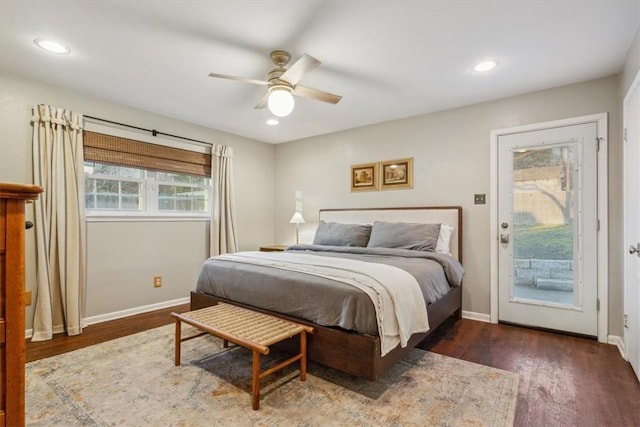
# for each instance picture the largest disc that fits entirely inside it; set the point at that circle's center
(444, 239)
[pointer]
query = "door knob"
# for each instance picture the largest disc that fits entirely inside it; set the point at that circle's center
(504, 238)
(635, 249)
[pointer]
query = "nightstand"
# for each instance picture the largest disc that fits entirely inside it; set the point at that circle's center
(273, 248)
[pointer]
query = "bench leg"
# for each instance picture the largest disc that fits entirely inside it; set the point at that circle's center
(178, 343)
(303, 354)
(255, 383)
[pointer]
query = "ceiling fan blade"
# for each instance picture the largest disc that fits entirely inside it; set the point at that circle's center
(319, 95)
(240, 79)
(302, 66)
(262, 103)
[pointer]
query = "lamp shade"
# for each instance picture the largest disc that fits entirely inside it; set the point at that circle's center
(297, 218)
(280, 101)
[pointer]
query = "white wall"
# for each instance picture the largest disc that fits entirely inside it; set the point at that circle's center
(632, 62)
(451, 162)
(123, 257)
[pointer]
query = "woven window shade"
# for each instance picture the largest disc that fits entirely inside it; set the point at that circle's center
(115, 150)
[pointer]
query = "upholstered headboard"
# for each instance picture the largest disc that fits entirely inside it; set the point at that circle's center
(425, 215)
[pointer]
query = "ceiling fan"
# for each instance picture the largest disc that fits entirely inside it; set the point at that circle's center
(282, 83)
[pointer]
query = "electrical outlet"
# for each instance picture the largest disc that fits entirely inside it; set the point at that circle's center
(479, 199)
(157, 281)
(27, 298)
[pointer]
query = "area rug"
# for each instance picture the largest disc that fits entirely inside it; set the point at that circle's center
(132, 381)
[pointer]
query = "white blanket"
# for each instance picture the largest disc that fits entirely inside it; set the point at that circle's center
(397, 298)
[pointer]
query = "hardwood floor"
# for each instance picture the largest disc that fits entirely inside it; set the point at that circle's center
(101, 332)
(564, 381)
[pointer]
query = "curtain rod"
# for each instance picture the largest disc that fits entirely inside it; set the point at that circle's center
(151, 131)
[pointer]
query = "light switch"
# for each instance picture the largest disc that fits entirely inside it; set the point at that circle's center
(479, 199)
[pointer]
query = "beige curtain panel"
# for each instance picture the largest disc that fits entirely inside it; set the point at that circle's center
(222, 228)
(58, 167)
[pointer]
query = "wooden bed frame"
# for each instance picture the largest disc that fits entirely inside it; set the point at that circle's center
(359, 354)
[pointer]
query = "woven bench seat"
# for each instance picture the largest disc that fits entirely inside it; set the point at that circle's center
(249, 329)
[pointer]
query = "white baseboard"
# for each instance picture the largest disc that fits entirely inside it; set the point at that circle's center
(480, 317)
(618, 342)
(131, 311)
(124, 313)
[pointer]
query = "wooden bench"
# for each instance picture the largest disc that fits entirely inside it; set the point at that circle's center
(249, 329)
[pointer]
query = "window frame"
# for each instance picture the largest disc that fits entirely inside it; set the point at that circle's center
(107, 215)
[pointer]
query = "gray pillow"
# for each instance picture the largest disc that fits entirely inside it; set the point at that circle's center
(335, 234)
(404, 235)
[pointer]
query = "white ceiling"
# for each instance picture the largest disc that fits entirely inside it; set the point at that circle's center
(388, 59)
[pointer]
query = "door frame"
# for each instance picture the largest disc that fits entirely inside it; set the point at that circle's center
(602, 195)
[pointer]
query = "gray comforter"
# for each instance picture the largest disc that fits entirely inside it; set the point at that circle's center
(320, 300)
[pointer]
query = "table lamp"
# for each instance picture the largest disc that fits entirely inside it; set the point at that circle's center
(297, 219)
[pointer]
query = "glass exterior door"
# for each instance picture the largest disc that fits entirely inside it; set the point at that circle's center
(547, 222)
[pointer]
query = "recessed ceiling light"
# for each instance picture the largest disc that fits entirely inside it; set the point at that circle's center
(485, 66)
(51, 46)
(272, 122)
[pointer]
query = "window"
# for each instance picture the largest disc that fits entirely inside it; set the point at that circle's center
(113, 187)
(134, 178)
(183, 193)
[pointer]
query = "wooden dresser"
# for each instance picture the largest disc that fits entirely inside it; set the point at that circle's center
(12, 300)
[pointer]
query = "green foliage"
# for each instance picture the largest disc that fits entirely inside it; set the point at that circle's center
(543, 242)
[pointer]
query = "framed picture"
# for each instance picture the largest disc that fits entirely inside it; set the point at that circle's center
(397, 173)
(364, 177)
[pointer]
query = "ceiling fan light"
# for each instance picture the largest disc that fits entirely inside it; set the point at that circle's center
(280, 102)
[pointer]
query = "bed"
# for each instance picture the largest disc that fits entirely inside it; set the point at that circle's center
(346, 339)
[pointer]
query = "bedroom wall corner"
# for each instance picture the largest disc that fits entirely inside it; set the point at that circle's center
(123, 256)
(631, 63)
(450, 151)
